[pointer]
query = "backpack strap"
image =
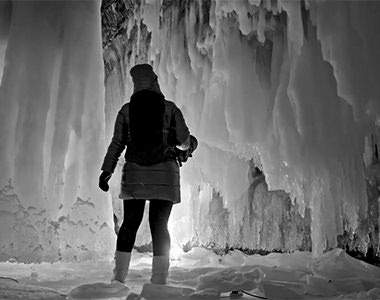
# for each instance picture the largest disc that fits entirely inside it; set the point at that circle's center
(128, 137)
(165, 127)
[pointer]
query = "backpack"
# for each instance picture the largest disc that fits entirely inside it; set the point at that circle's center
(147, 137)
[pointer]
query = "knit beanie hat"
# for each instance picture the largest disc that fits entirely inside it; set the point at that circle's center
(144, 78)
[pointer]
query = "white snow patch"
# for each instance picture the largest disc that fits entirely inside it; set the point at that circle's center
(334, 275)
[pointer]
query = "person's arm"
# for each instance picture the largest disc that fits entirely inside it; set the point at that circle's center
(185, 142)
(117, 144)
(114, 151)
(182, 133)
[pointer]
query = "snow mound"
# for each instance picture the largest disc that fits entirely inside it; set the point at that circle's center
(11, 289)
(99, 290)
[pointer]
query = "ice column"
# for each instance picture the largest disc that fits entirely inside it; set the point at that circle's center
(52, 130)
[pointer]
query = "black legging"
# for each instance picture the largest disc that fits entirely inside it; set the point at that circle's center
(159, 212)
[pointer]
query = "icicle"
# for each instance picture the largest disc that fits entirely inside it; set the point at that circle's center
(261, 25)
(295, 27)
(53, 131)
(221, 74)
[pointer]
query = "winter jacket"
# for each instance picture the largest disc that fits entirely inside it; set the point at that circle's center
(158, 181)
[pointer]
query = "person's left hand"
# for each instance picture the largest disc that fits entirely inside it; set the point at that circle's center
(103, 181)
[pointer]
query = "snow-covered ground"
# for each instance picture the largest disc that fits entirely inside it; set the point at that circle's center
(335, 275)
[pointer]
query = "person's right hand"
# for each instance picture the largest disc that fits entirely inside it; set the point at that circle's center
(193, 144)
(103, 181)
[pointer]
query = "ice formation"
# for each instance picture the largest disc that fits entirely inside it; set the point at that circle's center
(302, 113)
(52, 132)
(289, 85)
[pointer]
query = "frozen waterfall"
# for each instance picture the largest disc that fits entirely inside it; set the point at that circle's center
(52, 132)
(289, 87)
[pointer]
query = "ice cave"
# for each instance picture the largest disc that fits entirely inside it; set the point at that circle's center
(280, 199)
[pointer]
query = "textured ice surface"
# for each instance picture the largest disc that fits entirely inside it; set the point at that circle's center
(333, 275)
(52, 132)
(288, 95)
(295, 95)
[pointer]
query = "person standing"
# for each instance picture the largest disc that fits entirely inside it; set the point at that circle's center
(156, 136)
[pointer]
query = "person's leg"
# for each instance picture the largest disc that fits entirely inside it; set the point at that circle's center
(159, 212)
(133, 214)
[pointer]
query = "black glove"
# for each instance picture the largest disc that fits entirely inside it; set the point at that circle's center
(184, 155)
(103, 181)
(193, 144)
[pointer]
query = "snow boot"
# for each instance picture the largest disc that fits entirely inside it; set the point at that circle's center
(120, 272)
(160, 269)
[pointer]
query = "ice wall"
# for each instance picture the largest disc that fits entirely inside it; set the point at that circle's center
(290, 85)
(52, 132)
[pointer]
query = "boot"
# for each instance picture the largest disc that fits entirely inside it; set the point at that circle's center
(120, 272)
(160, 269)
